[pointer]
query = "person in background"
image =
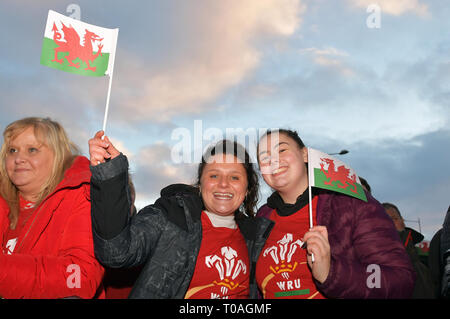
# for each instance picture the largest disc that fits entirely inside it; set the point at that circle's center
(118, 282)
(193, 241)
(45, 221)
(357, 252)
(365, 185)
(439, 259)
(424, 287)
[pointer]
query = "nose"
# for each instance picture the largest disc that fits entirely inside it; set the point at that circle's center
(19, 158)
(275, 161)
(223, 181)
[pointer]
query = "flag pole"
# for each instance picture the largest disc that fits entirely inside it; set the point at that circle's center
(107, 104)
(113, 57)
(310, 197)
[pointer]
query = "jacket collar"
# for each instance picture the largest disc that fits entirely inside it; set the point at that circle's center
(78, 173)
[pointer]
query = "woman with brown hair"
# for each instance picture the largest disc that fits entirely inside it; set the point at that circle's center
(357, 252)
(45, 223)
(194, 241)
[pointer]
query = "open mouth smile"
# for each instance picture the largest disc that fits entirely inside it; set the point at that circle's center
(223, 196)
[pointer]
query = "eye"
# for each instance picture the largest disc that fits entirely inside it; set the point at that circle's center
(32, 150)
(213, 176)
(264, 159)
(12, 150)
(235, 178)
(282, 150)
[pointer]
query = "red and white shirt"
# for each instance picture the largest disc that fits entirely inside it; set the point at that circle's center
(282, 270)
(222, 268)
(11, 239)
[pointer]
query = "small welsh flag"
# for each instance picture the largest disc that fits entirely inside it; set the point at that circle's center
(74, 46)
(330, 173)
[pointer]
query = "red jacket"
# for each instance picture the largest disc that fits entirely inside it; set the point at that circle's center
(54, 255)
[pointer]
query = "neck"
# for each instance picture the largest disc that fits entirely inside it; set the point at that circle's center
(28, 196)
(290, 195)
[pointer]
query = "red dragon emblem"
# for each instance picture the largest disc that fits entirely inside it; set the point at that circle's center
(76, 50)
(340, 175)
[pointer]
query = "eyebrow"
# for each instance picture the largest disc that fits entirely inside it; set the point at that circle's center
(276, 146)
(212, 170)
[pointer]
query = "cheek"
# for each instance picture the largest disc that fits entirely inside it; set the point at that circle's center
(43, 166)
(241, 189)
(266, 178)
(9, 164)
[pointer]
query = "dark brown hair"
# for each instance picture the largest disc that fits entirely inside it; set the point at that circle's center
(289, 133)
(233, 148)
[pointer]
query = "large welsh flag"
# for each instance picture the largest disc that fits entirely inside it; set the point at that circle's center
(330, 173)
(74, 46)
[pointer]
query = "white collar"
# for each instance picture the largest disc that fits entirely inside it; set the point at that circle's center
(221, 221)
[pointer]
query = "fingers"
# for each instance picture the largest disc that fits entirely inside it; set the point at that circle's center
(317, 243)
(111, 149)
(101, 149)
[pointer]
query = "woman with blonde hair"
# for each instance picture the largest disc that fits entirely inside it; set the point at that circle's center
(45, 224)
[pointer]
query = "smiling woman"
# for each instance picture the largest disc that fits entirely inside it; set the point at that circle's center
(350, 235)
(193, 241)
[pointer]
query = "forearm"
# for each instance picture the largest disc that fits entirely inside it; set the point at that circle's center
(110, 197)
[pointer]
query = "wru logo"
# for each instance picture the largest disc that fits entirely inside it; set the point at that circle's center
(287, 249)
(229, 267)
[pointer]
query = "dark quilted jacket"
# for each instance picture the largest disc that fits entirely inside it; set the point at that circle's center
(361, 234)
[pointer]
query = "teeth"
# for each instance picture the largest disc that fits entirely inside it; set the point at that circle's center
(278, 170)
(228, 195)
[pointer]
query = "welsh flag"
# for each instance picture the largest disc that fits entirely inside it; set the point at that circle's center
(74, 46)
(330, 173)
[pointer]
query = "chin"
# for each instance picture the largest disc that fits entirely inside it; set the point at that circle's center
(224, 212)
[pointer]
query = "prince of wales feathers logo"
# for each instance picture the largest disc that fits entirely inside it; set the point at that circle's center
(283, 258)
(330, 173)
(77, 47)
(228, 267)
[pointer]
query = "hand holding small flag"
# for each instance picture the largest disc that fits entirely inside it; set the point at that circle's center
(101, 149)
(317, 245)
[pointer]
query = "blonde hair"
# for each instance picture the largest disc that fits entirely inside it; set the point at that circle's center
(47, 132)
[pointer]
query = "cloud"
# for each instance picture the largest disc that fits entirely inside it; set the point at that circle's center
(218, 51)
(329, 57)
(395, 7)
(153, 169)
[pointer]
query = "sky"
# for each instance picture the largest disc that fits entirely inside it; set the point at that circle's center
(372, 77)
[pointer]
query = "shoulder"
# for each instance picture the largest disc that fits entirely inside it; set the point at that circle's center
(179, 200)
(340, 208)
(264, 211)
(78, 172)
(76, 178)
(349, 204)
